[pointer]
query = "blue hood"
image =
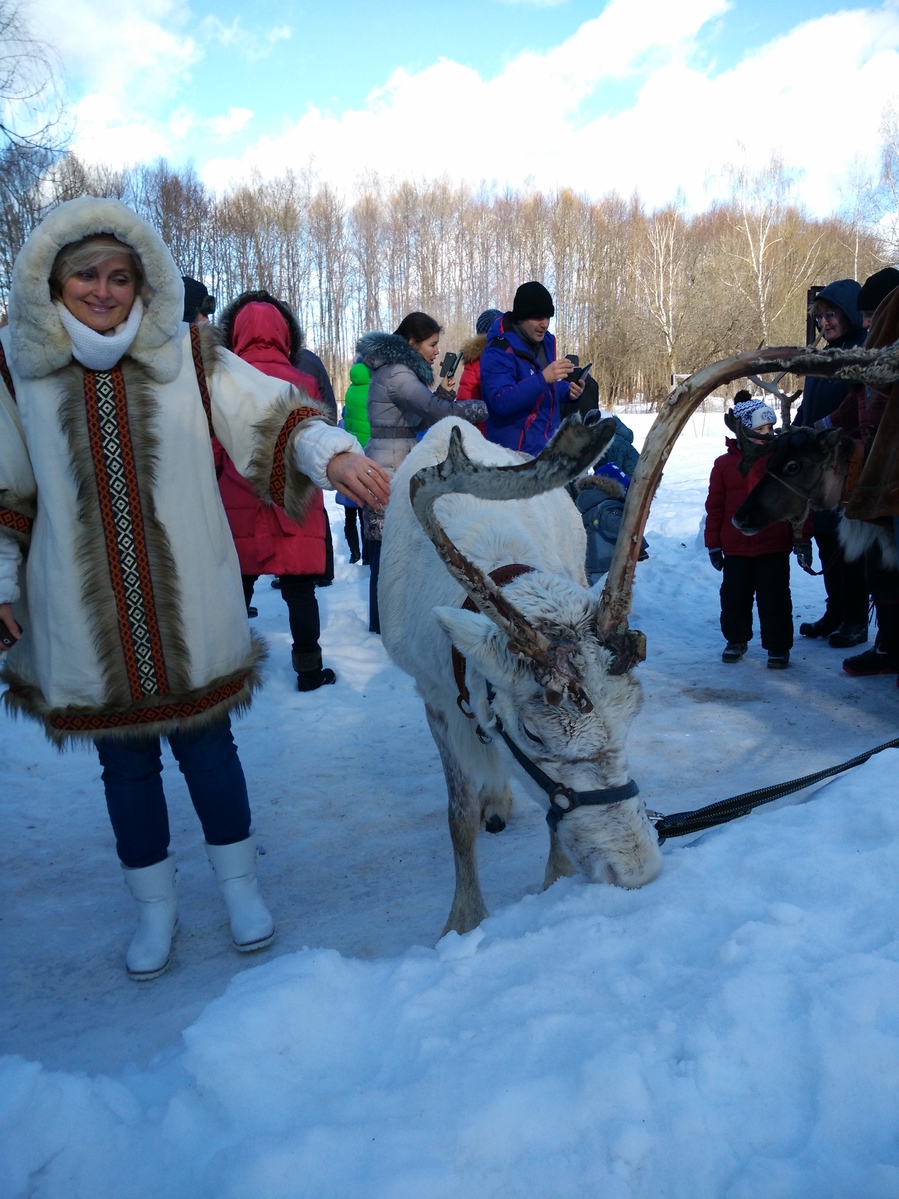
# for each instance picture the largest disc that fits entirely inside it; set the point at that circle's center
(843, 294)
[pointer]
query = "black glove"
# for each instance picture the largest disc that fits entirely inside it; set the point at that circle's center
(803, 552)
(716, 557)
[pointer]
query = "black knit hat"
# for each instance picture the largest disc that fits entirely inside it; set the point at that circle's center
(532, 302)
(196, 299)
(876, 288)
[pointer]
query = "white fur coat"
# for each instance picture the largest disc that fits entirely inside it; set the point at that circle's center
(142, 634)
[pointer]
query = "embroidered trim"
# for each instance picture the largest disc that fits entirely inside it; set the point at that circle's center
(97, 723)
(124, 531)
(16, 522)
(202, 383)
(279, 469)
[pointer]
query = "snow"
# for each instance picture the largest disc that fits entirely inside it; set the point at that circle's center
(730, 1030)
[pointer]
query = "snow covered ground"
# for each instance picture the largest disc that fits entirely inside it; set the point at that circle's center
(732, 1030)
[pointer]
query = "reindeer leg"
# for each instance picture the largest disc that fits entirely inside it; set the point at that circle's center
(558, 864)
(495, 808)
(464, 813)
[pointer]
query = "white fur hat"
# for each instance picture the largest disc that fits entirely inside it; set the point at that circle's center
(40, 344)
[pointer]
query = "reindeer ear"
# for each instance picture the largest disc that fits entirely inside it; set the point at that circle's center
(475, 636)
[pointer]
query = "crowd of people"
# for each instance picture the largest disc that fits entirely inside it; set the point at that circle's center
(756, 569)
(154, 467)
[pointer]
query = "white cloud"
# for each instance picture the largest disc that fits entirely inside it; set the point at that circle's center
(251, 44)
(234, 121)
(676, 126)
(679, 133)
(127, 60)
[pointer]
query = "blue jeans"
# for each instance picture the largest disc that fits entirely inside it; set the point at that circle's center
(132, 778)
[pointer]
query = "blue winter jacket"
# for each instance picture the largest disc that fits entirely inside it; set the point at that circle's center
(523, 410)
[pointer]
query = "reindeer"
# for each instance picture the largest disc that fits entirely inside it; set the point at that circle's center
(542, 683)
(542, 677)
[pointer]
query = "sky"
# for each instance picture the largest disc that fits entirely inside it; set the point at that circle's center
(659, 97)
(730, 1030)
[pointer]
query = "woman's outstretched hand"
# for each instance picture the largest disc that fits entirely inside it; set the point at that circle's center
(9, 620)
(359, 478)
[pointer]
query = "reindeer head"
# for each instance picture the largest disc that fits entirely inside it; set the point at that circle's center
(580, 745)
(805, 470)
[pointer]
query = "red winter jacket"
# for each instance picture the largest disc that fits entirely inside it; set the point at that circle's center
(470, 383)
(727, 491)
(268, 542)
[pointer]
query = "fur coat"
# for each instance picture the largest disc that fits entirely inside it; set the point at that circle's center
(128, 589)
(400, 400)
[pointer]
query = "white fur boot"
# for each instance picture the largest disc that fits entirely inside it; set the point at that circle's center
(154, 889)
(252, 926)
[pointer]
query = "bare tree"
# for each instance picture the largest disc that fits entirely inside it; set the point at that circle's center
(32, 115)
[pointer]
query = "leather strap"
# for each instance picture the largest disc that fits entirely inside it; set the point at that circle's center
(501, 576)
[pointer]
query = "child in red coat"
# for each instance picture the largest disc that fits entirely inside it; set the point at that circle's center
(754, 568)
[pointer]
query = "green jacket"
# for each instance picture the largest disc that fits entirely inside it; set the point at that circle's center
(355, 412)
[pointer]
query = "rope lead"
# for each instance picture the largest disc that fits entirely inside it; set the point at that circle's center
(679, 824)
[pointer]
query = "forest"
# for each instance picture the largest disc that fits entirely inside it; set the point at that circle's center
(643, 295)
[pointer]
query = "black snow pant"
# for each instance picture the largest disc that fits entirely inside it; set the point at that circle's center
(765, 578)
(884, 587)
(351, 532)
(298, 592)
(844, 582)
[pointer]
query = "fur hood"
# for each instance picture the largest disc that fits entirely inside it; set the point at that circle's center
(389, 349)
(612, 488)
(40, 344)
(474, 348)
(262, 297)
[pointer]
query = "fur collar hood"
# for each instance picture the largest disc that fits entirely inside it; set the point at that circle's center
(295, 333)
(389, 349)
(604, 483)
(40, 345)
(474, 348)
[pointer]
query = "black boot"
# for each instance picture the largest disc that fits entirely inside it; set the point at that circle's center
(311, 680)
(848, 634)
(823, 627)
(871, 662)
(734, 651)
(310, 673)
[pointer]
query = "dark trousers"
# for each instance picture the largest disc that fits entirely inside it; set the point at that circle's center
(298, 592)
(884, 587)
(350, 518)
(765, 578)
(374, 616)
(844, 582)
(132, 778)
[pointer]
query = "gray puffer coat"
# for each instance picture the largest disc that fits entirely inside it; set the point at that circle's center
(400, 400)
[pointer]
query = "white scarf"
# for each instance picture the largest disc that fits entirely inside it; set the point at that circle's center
(101, 351)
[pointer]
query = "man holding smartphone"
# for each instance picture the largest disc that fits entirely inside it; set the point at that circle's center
(522, 383)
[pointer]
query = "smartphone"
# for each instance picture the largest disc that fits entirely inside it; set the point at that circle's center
(6, 638)
(579, 373)
(449, 364)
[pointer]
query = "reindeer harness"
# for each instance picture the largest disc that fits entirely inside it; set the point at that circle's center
(562, 799)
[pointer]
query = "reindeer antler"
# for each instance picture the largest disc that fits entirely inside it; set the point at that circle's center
(877, 367)
(573, 449)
